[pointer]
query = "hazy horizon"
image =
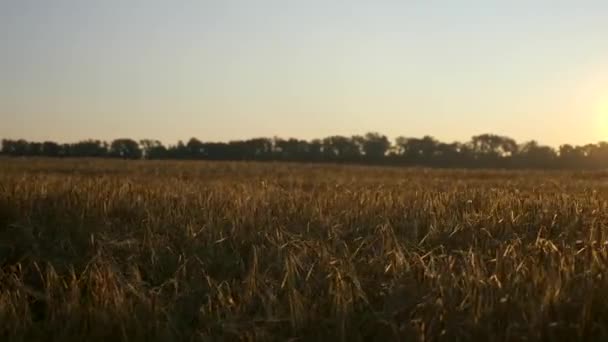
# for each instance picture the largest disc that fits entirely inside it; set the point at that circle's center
(228, 70)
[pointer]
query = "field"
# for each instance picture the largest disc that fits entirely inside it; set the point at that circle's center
(102, 250)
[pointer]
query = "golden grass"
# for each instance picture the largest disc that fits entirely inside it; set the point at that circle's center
(97, 250)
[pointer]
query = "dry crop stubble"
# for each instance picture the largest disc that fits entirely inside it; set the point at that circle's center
(100, 249)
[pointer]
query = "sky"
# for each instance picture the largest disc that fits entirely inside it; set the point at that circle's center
(236, 69)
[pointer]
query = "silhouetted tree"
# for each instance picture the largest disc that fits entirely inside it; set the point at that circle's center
(34, 149)
(88, 148)
(51, 149)
(236, 150)
(179, 151)
(417, 151)
(290, 149)
(485, 150)
(258, 149)
(572, 156)
(494, 145)
(493, 150)
(315, 150)
(374, 146)
(125, 148)
(153, 149)
(15, 147)
(534, 155)
(340, 148)
(195, 149)
(448, 155)
(598, 155)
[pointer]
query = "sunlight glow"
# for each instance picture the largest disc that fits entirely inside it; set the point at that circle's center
(601, 113)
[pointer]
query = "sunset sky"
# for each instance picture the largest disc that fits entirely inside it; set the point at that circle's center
(234, 69)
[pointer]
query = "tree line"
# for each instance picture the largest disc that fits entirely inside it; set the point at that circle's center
(482, 151)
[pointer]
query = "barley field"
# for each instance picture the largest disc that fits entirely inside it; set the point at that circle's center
(111, 250)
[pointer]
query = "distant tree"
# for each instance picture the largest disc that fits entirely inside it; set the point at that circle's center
(51, 149)
(494, 145)
(448, 155)
(179, 151)
(34, 149)
(125, 148)
(315, 150)
(220, 151)
(88, 148)
(153, 149)
(6, 147)
(534, 155)
(417, 151)
(600, 153)
(485, 150)
(340, 148)
(257, 149)
(290, 149)
(572, 156)
(492, 150)
(15, 147)
(195, 149)
(375, 146)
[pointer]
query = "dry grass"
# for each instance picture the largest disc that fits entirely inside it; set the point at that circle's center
(177, 251)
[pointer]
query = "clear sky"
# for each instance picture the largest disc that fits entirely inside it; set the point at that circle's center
(232, 69)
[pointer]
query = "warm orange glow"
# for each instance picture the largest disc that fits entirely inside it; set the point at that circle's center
(601, 113)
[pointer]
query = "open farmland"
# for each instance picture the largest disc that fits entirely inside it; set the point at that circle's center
(100, 250)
